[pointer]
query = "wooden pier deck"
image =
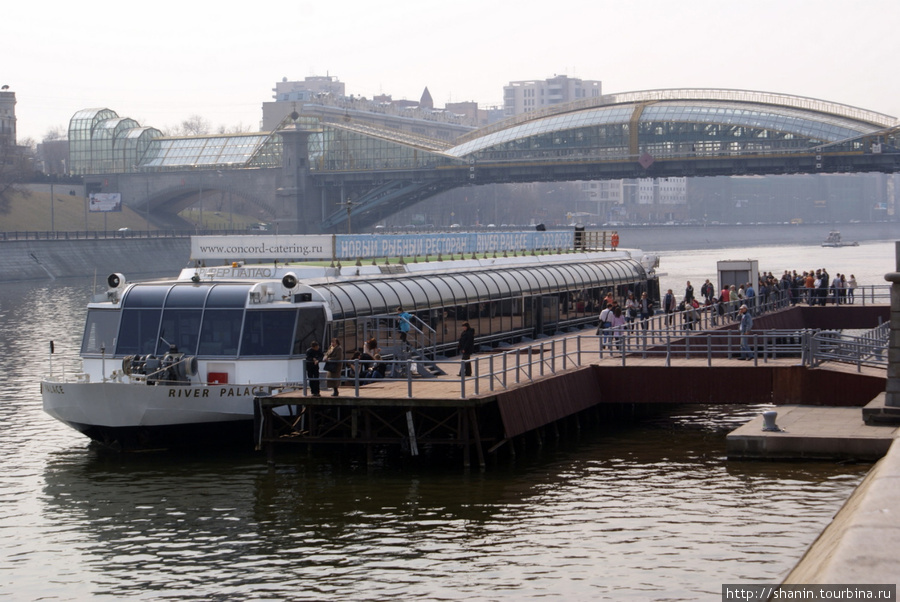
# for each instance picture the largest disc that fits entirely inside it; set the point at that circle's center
(523, 389)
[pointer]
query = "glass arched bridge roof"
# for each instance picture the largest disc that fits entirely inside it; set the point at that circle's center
(672, 121)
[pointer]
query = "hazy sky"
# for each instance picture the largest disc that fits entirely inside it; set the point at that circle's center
(162, 62)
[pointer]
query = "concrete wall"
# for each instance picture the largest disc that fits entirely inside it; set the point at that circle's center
(860, 545)
(42, 260)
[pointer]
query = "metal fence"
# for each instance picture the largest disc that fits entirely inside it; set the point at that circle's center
(499, 370)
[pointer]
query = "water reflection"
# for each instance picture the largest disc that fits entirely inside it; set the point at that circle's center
(639, 512)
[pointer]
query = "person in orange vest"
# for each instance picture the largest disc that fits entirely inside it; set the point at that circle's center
(615, 240)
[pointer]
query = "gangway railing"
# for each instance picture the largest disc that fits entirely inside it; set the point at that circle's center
(419, 341)
(867, 349)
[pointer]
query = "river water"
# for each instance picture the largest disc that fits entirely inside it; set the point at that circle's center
(651, 511)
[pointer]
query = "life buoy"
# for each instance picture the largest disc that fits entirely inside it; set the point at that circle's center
(615, 240)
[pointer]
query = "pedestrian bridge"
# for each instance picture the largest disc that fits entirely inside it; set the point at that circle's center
(315, 175)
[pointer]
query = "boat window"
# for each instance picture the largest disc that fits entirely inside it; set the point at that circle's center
(341, 305)
(145, 295)
(138, 332)
(187, 296)
(180, 328)
(527, 281)
(100, 331)
(268, 332)
(228, 295)
(444, 291)
(405, 296)
(367, 298)
(477, 286)
(310, 327)
(220, 332)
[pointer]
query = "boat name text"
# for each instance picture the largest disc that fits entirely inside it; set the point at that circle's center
(222, 392)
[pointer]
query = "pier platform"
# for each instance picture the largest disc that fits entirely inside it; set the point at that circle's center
(812, 432)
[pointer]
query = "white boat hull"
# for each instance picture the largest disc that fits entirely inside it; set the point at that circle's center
(134, 416)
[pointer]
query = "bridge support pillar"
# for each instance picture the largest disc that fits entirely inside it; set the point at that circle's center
(892, 396)
(296, 192)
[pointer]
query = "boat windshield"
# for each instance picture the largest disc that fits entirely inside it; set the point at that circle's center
(207, 321)
(100, 331)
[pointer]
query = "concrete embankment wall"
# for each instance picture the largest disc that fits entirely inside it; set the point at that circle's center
(42, 260)
(860, 545)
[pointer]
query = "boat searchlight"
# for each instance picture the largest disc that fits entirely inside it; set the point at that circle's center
(116, 283)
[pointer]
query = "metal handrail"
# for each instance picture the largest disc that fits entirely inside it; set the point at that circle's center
(511, 367)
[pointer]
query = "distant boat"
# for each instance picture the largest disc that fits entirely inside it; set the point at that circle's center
(834, 240)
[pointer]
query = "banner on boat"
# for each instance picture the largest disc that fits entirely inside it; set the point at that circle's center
(360, 246)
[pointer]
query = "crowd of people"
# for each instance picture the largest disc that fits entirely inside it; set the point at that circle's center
(813, 287)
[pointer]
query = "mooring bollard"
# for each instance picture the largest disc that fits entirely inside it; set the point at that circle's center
(769, 421)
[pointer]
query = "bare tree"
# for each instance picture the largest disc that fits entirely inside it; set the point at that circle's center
(239, 128)
(195, 125)
(55, 133)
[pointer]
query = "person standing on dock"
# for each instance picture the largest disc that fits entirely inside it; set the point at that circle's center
(669, 306)
(688, 293)
(750, 297)
(314, 355)
(708, 290)
(745, 327)
(646, 309)
(466, 347)
(403, 323)
(334, 361)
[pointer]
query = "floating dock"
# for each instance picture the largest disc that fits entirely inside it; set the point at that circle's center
(813, 432)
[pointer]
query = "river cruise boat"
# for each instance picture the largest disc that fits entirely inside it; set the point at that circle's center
(834, 240)
(177, 362)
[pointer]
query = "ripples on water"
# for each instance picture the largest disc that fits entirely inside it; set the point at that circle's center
(647, 512)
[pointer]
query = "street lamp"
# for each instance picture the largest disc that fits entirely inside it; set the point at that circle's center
(349, 205)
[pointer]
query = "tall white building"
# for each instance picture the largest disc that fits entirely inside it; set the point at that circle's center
(532, 95)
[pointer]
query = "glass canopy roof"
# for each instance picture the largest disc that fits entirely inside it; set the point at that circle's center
(233, 150)
(776, 122)
(420, 292)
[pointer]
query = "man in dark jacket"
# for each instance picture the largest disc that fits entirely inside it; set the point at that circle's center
(669, 307)
(645, 306)
(314, 355)
(466, 347)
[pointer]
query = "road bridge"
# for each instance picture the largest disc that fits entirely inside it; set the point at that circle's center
(312, 176)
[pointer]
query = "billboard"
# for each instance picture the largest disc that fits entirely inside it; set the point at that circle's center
(355, 246)
(104, 202)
